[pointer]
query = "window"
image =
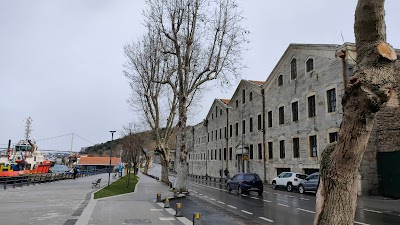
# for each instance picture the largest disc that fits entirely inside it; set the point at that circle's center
(259, 122)
(237, 128)
(280, 80)
(212, 135)
(224, 153)
(251, 124)
(216, 111)
(230, 130)
(282, 149)
(270, 150)
(243, 126)
(309, 65)
(296, 148)
(215, 154)
(230, 153)
(251, 96)
(311, 106)
(225, 133)
(220, 112)
(313, 145)
(260, 154)
(295, 111)
(270, 119)
(220, 133)
(251, 152)
(216, 134)
(220, 154)
(212, 116)
(237, 103)
(331, 95)
(243, 96)
(333, 137)
(281, 115)
(293, 69)
(212, 154)
(208, 137)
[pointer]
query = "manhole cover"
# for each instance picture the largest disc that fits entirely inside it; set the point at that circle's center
(137, 221)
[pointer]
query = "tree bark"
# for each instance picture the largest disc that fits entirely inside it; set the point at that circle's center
(183, 165)
(370, 88)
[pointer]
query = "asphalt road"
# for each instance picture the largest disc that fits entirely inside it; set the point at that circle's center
(281, 207)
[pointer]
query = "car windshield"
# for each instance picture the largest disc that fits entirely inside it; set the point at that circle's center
(301, 176)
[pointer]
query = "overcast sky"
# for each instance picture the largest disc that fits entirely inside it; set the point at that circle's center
(61, 61)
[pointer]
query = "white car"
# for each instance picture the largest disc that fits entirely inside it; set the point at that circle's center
(289, 180)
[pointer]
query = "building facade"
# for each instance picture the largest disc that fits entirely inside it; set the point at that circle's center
(282, 124)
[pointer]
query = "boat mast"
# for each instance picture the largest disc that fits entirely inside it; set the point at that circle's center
(28, 128)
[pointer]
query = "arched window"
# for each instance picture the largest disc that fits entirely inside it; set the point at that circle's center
(309, 65)
(280, 80)
(293, 69)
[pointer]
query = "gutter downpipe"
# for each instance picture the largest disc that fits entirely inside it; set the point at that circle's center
(263, 131)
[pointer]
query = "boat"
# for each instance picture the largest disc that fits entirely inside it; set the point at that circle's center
(24, 158)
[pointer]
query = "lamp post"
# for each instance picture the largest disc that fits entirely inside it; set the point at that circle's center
(109, 169)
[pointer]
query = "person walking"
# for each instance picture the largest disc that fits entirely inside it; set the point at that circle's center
(75, 172)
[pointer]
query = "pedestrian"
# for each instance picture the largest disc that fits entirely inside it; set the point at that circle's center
(75, 172)
(226, 172)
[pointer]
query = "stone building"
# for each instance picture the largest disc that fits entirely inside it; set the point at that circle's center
(284, 123)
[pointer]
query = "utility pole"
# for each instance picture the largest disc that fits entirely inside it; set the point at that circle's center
(72, 141)
(109, 169)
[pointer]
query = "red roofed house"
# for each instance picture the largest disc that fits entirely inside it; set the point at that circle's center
(97, 163)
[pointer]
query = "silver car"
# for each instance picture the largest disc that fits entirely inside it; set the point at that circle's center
(310, 183)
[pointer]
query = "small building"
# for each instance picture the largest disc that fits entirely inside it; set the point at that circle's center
(100, 164)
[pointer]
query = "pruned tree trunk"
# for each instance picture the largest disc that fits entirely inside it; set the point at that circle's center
(371, 87)
(164, 170)
(147, 163)
(183, 166)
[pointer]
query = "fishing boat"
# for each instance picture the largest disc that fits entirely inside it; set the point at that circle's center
(24, 158)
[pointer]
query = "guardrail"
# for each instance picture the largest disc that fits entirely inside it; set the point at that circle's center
(33, 179)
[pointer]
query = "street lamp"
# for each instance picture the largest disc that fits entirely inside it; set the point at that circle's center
(109, 169)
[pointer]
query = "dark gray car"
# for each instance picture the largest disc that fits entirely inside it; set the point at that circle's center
(310, 183)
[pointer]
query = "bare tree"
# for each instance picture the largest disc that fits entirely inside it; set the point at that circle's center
(146, 63)
(205, 37)
(374, 84)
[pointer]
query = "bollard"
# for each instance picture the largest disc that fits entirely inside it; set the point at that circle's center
(166, 203)
(178, 209)
(158, 198)
(196, 219)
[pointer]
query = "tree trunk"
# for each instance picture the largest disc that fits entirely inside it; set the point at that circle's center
(146, 165)
(182, 152)
(370, 88)
(164, 170)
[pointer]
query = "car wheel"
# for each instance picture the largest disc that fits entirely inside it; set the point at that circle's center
(301, 189)
(229, 188)
(273, 185)
(240, 191)
(289, 187)
(260, 193)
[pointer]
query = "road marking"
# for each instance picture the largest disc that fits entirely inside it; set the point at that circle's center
(290, 196)
(212, 199)
(205, 196)
(185, 220)
(360, 223)
(305, 210)
(195, 192)
(223, 203)
(167, 218)
(171, 211)
(265, 200)
(370, 210)
(244, 195)
(233, 207)
(254, 198)
(263, 218)
(283, 205)
(160, 204)
(277, 194)
(200, 194)
(156, 210)
(305, 199)
(267, 193)
(247, 212)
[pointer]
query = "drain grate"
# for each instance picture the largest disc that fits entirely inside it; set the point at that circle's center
(137, 221)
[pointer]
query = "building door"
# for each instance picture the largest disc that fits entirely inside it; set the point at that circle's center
(239, 163)
(389, 173)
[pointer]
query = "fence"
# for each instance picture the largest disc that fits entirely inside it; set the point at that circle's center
(33, 179)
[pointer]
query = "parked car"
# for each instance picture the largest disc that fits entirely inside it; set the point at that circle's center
(288, 180)
(245, 182)
(310, 183)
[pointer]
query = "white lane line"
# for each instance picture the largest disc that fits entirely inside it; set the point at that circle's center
(267, 193)
(244, 195)
(277, 194)
(370, 210)
(254, 198)
(282, 205)
(360, 223)
(167, 218)
(156, 210)
(195, 192)
(305, 199)
(265, 200)
(171, 211)
(290, 196)
(266, 219)
(223, 203)
(212, 199)
(200, 194)
(205, 196)
(185, 220)
(247, 212)
(233, 207)
(305, 210)
(160, 204)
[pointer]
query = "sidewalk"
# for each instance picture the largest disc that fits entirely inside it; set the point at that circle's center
(138, 207)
